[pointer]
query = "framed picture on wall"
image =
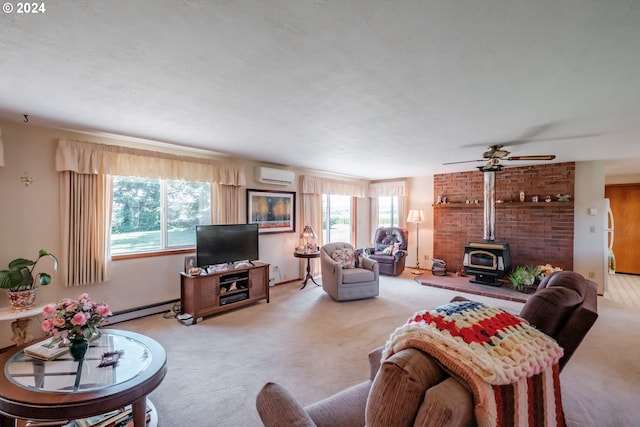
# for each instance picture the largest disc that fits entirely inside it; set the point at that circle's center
(273, 211)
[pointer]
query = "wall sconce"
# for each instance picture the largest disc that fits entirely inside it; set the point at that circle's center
(26, 179)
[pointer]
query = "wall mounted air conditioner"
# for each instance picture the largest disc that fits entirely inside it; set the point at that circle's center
(274, 176)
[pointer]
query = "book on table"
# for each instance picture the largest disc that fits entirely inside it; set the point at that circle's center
(51, 348)
(48, 349)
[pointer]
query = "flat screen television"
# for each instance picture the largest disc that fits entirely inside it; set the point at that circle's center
(226, 243)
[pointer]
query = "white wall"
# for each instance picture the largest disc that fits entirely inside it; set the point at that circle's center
(622, 179)
(589, 256)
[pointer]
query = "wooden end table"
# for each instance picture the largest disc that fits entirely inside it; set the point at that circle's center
(308, 256)
(63, 389)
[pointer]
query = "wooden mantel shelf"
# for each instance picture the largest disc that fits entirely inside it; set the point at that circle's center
(543, 204)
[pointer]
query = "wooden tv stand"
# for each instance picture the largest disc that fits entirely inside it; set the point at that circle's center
(223, 290)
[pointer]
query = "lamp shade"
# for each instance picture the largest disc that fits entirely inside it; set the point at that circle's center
(308, 232)
(417, 215)
(308, 238)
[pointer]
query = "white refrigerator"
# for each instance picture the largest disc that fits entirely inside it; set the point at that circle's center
(609, 230)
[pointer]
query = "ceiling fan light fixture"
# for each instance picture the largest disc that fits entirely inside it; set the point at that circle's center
(490, 168)
(495, 152)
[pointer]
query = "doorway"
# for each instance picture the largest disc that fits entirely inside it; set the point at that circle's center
(625, 206)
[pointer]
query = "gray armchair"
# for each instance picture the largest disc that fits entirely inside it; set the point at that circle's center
(346, 278)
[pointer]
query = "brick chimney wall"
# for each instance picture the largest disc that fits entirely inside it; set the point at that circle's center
(538, 233)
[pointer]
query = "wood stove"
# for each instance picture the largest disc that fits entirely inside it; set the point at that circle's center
(488, 261)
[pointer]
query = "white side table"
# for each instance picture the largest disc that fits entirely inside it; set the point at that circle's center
(20, 322)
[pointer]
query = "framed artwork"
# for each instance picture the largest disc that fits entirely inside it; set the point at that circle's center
(273, 211)
(191, 265)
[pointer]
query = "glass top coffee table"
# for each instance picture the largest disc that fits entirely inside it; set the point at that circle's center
(63, 389)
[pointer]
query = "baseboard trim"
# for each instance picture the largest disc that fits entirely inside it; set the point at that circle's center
(142, 311)
(2, 350)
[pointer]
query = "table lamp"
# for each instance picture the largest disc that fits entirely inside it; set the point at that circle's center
(308, 239)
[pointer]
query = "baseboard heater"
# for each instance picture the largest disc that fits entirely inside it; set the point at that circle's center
(142, 311)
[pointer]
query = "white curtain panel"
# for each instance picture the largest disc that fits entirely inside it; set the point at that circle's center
(318, 185)
(92, 158)
(388, 188)
(85, 216)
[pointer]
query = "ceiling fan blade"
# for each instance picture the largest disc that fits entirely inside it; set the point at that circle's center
(526, 140)
(464, 161)
(543, 157)
(557, 138)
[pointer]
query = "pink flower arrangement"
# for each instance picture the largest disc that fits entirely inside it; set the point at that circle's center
(72, 319)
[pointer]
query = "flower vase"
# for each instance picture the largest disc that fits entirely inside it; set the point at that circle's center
(78, 348)
(22, 300)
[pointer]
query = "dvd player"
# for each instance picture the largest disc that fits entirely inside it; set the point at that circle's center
(233, 298)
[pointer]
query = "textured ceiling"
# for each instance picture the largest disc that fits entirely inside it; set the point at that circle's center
(374, 89)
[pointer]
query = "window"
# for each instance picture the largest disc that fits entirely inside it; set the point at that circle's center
(388, 215)
(155, 214)
(336, 218)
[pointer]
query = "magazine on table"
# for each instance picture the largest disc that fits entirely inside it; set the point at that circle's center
(118, 418)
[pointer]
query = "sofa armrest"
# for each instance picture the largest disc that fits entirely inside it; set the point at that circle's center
(375, 358)
(400, 254)
(371, 264)
(331, 271)
(277, 407)
(448, 402)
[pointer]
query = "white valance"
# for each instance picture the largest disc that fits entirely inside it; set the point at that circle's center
(316, 185)
(1, 150)
(387, 189)
(91, 158)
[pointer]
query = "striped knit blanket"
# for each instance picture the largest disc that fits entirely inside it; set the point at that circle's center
(510, 367)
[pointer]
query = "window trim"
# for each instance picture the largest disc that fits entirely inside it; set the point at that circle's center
(152, 254)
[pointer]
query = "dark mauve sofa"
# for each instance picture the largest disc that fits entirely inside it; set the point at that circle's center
(411, 389)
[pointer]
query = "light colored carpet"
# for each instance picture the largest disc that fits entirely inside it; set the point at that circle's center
(315, 347)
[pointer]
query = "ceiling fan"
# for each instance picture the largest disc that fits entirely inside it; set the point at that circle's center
(495, 154)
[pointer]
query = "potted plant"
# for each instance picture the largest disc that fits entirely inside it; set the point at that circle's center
(545, 270)
(523, 278)
(20, 282)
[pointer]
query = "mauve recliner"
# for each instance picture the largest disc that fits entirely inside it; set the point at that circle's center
(384, 237)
